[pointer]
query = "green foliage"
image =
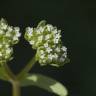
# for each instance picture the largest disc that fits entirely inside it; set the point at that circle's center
(46, 83)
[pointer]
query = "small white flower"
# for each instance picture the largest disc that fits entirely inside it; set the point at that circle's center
(44, 61)
(62, 59)
(31, 42)
(8, 51)
(50, 56)
(18, 34)
(1, 32)
(41, 29)
(64, 48)
(64, 54)
(46, 45)
(17, 29)
(57, 36)
(54, 31)
(41, 52)
(55, 56)
(38, 31)
(9, 28)
(3, 26)
(29, 30)
(57, 49)
(56, 40)
(49, 27)
(48, 49)
(15, 38)
(1, 45)
(59, 31)
(40, 38)
(8, 34)
(6, 45)
(47, 37)
(42, 56)
(0, 54)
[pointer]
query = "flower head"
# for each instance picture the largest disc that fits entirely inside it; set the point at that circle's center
(46, 39)
(9, 36)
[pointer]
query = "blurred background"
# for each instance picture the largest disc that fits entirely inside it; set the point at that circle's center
(77, 18)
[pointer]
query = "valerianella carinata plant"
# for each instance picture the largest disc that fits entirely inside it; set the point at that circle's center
(46, 40)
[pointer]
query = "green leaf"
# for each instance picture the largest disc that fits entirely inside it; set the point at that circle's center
(46, 83)
(3, 74)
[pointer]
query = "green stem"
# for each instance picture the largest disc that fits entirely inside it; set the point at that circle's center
(9, 73)
(27, 68)
(16, 89)
(13, 80)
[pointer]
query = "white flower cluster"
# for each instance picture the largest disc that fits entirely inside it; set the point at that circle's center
(8, 37)
(46, 39)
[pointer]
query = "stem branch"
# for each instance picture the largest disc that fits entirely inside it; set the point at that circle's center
(15, 79)
(27, 68)
(9, 73)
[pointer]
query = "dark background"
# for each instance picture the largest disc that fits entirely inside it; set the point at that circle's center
(78, 21)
